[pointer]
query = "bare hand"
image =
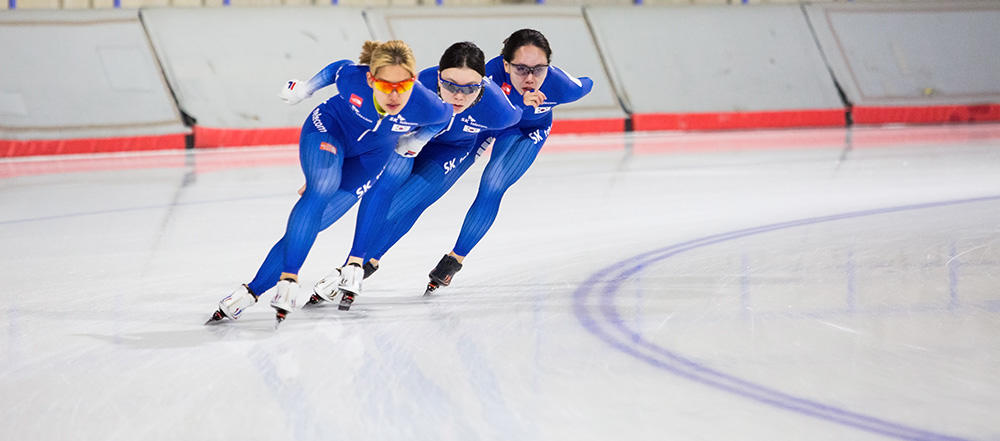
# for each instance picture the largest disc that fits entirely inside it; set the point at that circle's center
(534, 98)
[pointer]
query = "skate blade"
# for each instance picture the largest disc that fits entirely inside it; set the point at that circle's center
(279, 317)
(217, 317)
(314, 301)
(346, 301)
(431, 287)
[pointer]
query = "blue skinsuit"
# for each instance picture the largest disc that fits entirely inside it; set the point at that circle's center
(515, 148)
(344, 145)
(411, 184)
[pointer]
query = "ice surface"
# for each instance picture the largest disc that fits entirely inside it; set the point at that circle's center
(774, 285)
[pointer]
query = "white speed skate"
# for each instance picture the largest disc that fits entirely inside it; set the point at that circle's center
(326, 289)
(350, 284)
(233, 305)
(283, 301)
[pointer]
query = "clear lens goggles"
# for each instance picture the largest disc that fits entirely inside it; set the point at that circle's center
(465, 89)
(523, 69)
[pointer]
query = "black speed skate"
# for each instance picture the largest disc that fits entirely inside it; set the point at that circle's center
(441, 274)
(369, 269)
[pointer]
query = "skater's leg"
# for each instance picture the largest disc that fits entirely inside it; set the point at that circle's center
(322, 169)
(270, 271)
(430, 180)
(360, 176)
(512, 155)
(375, 205)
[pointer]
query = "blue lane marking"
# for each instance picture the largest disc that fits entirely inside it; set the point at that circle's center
(630, 342)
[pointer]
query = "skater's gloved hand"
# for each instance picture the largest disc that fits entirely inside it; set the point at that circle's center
(410, 144)
(294, 91)
(534, 98)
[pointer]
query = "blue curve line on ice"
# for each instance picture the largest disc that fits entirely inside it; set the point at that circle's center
(634, 344)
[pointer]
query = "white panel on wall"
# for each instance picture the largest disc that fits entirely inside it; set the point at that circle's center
(430, 31)
(79, 74)
(227, 65)
(912, 53)
(714, 58)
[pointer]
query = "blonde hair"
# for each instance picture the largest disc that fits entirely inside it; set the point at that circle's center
(391, 53)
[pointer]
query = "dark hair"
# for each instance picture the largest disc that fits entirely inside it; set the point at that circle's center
(463, 54)
(525, 37)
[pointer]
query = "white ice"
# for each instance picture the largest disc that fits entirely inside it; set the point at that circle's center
(771, 285)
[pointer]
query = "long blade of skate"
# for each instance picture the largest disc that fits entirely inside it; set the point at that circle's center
(217, 316)
(279, 317)
(430, 289)
(346, 300)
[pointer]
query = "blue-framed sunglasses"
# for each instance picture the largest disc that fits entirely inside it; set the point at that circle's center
(465, 89)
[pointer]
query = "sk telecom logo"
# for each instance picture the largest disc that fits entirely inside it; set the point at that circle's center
(356, 100)
(506, 88)
(328, 147)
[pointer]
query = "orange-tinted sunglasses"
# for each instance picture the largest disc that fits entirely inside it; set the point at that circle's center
(387, 87)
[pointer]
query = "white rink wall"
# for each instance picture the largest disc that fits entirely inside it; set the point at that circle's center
(915, 62)
(573, 48)
(227, 66)
(81, 74)
(655, 68)
(714, 66)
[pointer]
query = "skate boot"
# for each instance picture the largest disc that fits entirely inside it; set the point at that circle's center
(233, 305)
(441, 274)
(326, 289)
(350, 284)
(284, 299)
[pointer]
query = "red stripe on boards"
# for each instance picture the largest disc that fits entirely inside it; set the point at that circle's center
(926, 115)
(219, 137)
(738, 120)
(13, 147)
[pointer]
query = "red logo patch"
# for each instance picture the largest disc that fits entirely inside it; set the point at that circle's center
(506, 88)
(328, 147)
(356, 100)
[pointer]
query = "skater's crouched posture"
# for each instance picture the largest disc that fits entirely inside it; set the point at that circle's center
(345, 142)
(523, 73)
(427, 163)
